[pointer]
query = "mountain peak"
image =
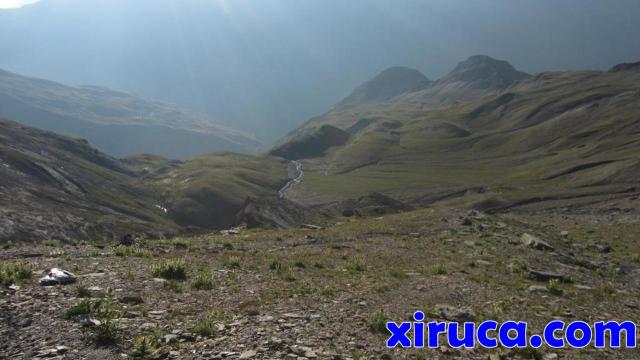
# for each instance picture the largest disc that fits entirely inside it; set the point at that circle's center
(386, 85)
(626, 67)
(485, 72)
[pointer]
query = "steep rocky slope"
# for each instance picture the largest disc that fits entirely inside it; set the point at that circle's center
(54, 187)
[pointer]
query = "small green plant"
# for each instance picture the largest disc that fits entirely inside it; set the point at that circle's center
(327, 291)
(439, 269)
(554, 287)
(398, 274)
(102, 333)
(56, 253)
(356, 265)
(203, 281)
(381, 288)
(51, 243)
(378, 322)
(95, 253)
(231, 262)
(175, 286)
(82, 292)
(143, 346)
(207, 325)
(84, 307)
(15, 273)
(88, 293)
(604, 291)
(276, 265)
(172, 269)
(287, 274)
(106, 333)
(124, 251)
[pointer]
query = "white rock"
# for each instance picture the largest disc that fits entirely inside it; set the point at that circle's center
(56, 276)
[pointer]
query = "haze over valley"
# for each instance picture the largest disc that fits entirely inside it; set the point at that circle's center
(217, 179)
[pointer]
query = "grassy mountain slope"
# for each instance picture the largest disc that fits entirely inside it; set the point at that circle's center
(555, 136)
(56, 187)
(210, 190)
(117, 123)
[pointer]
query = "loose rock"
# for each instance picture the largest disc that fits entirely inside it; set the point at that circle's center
(535, 242)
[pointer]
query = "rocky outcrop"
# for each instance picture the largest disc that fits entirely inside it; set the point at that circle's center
(273, 213)
(374, 204)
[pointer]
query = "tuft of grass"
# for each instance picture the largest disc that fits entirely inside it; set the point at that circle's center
(439, 269)
(554, 287)
(378, 323)
(172, 269)
(203, 281)
(327, 291)
(207, 325)
(82, 292)
(15, 273)
(94, 253)
(143, 346)
(175, 286)
(105, 334)
(51, 243)
(356, 265)
(276, 265)
(56, 253)
(100, 309)
(231, 262)
(604, 292)
(125, 251)
(381, 288)
(398, 274)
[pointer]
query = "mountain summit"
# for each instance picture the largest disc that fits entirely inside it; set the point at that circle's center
(477, 76)
(388, 84)
(485, 72)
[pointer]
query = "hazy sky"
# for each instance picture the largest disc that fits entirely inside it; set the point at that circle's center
(266, 66)
(11, 4)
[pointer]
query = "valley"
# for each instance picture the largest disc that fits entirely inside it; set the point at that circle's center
(487, 194)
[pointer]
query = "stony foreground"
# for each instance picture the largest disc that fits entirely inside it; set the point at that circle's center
(324, 293)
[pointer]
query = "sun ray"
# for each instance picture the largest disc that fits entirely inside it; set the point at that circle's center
(13, 4)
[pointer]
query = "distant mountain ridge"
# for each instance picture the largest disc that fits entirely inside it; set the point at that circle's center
(474, 77)
(477, 76)
(489, 133)
(115, 122)
(388, 84)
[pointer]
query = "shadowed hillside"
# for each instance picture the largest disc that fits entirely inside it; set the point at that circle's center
(54, 187)
(114, 122)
